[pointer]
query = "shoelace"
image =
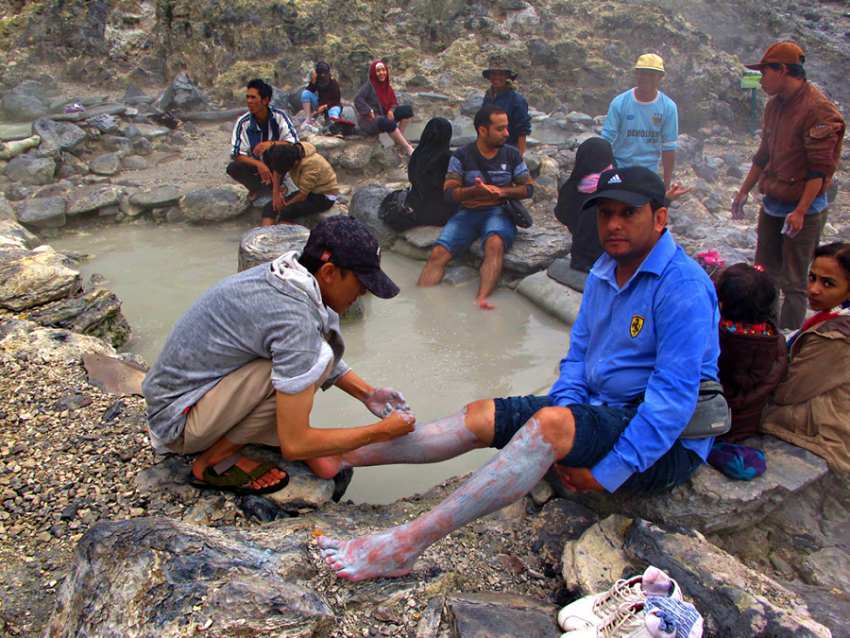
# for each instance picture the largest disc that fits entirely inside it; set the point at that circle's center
(627, 618)
(622, 591)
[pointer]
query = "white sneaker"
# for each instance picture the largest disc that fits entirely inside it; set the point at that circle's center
(658, 617)
(590, 611)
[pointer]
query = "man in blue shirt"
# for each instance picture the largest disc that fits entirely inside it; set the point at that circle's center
(503, 95)
(644, 339)
(642, 124)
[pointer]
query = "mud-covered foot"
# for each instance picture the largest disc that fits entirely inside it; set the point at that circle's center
(379, 555)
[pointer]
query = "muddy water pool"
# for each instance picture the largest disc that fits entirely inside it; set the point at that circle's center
(434, 344)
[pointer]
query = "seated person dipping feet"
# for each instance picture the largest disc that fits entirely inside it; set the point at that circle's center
(480, 178)
(312, 175)
(261, 128)
(243, 364)
(644, 339)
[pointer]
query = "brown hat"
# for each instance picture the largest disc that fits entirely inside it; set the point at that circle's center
(785, 52)
(498, 63)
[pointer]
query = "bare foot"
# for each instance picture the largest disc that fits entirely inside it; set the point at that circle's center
(380, 555)
(247, 465)
(484, 304)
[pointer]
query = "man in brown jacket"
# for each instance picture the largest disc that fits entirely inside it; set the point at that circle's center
(799, 152)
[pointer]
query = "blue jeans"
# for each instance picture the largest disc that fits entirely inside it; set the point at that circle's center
(598, 427)
(469, 224)
(313, 99)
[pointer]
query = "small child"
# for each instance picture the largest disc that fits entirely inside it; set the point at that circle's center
(753, 355)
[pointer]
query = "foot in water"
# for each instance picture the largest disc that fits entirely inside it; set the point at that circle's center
(484, 304)
(380, 555)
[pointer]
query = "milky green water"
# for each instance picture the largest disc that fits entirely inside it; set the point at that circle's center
(434, 344)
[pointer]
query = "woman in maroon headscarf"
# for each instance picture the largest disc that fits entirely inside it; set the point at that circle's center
(378, 110)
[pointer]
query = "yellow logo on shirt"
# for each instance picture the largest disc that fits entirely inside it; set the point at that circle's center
(636, 325)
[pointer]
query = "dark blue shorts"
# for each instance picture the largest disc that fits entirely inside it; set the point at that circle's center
(598, 427)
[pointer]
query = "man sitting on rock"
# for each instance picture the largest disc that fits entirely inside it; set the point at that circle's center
(242, 365)
(261, 128)
(481, 177)
(644, 339)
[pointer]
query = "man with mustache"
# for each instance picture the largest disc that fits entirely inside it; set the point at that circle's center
(614, 421)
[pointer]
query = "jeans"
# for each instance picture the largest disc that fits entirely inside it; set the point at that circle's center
(313, 99)
(468, 224)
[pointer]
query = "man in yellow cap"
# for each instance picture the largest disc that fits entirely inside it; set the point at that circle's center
(643, 123)
(799, 152)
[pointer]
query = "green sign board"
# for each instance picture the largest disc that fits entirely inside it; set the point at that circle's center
(750, 80)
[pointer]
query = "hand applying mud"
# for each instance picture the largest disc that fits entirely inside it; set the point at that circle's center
(398, 424)
(382, 401)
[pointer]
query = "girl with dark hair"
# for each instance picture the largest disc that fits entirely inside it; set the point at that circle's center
(427, 172)
(312, 175)
(811, 407)
(594, 156)
(752, 351)
(378, 110)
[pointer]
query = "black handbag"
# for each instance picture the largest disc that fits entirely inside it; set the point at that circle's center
(395, 212)
(515, 208)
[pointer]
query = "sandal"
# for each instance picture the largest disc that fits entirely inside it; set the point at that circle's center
(234, 479)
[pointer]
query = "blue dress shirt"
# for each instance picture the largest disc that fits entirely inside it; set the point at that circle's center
(655, 338)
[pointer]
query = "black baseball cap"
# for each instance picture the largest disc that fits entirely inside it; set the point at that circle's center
(633, 185)
(347, 242)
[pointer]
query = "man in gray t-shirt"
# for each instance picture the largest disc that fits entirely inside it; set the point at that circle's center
(242, 365)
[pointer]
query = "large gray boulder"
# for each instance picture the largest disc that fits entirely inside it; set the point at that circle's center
(13, 235)
(96, 313)
(265, 243)
(19, 107)
(214, 204)
(204, 578)
(31, 278)
(10, 132)
(57, 136)
(533, 249)
(156, 197)
(364, 206)
(91, 198)
(501, 615)
(182, 95)
(712, 503)
(106, 164)
(31, 170)
(43, 212)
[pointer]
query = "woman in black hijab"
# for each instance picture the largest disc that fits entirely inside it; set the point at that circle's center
(427, 172)
(594, 155)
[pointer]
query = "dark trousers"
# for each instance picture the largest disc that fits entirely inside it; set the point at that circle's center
(245, 174)
(787, 260)
(314, 203)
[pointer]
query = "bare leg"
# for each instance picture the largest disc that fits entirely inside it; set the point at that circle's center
(433, 442)
(506, 478)
(401, 140)
(491, 270)
(308, 110)
(435, 267)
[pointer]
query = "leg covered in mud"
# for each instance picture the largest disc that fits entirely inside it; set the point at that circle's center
(446, 438)
(507, 477)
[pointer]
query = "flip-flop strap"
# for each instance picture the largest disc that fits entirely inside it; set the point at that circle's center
(226, 463)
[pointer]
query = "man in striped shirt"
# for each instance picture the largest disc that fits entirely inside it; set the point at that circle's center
(255, 132)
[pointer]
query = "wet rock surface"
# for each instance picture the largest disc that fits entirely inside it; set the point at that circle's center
(214, 204)
(712, 503)
(263, 244)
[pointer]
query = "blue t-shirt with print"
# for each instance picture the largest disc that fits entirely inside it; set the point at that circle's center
(640, 131)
